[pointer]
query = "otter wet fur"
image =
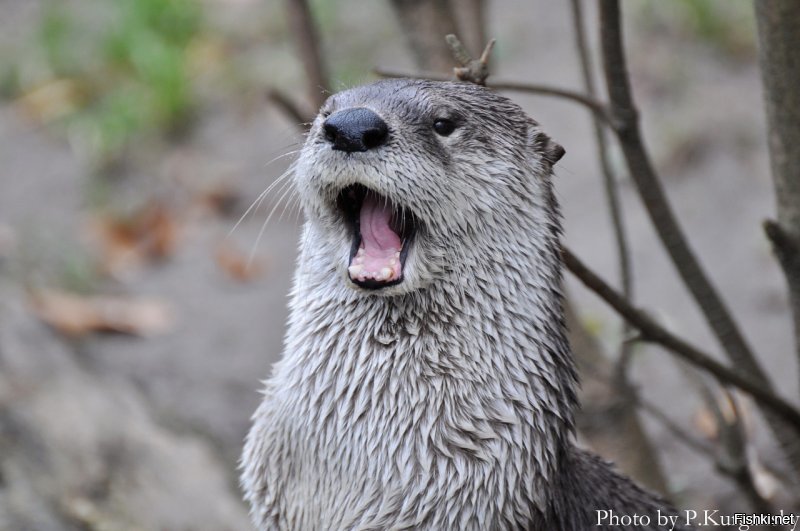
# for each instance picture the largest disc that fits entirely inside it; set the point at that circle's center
(427, 381)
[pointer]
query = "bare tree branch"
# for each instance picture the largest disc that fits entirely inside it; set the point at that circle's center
(779, 40)
(676, 429)
(653, 332)
(730, 453)
(650, 189)
(592, 104)
(787, 249)
(608, 418)
(471, 21)
(471, 70)
(740, 474)
(289, 107)
(649, 186)
(732, 440)
(609, 179)
(626, 396)
(425, 23)
(732, 458)
(307, 41)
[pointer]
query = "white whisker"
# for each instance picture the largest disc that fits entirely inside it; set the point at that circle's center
(292, 195)
(266, 221)
(256, 204)
(284, 155)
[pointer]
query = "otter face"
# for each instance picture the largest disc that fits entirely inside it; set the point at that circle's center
(398, 176)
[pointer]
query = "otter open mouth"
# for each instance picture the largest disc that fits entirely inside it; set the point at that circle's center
(382, 235)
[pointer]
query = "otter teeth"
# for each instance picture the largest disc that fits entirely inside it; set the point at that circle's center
(357, 271)
(365, 266)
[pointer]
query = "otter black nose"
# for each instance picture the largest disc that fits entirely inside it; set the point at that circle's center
(356, 129)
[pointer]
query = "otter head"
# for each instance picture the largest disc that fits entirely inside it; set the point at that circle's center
(399, 177)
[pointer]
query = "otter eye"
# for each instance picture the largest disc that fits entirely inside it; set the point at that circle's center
(443, 126)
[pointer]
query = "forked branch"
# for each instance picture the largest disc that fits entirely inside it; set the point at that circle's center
(609, 180)
(307, 43)
(594, 105)
(719, 319)
(651, 331)
(471, 70)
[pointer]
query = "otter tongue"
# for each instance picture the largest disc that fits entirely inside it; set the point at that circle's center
(380, 244)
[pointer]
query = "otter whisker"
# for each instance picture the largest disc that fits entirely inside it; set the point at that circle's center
(256, 204)
(284, 180)
(284, 155)
(293, 195)
(297, 206)
(288, 186)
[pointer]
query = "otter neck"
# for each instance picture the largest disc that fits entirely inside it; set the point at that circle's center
(487, 340)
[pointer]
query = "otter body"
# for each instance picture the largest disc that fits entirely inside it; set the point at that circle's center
(426, 381)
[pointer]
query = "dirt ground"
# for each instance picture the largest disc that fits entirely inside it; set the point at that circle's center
(145, 433)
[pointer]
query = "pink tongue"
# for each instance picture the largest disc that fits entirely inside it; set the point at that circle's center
(379, 239)
(380, 245)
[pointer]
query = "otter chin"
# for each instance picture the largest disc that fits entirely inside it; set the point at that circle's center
(382, 233)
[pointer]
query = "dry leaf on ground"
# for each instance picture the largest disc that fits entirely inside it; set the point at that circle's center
(53, 100)
(148, 235)
(78, 315)
(236, 264)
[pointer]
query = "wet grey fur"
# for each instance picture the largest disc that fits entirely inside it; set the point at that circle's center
(447, 401)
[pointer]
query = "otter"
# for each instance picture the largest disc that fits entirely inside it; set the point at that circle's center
(427, 381)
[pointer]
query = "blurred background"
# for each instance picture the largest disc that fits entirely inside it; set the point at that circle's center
(136, 322)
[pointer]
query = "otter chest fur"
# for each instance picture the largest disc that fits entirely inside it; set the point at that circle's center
(426, 381)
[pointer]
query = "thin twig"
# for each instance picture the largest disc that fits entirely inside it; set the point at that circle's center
(609, 419)
(787, 250)
(675, 429)
(778, 41)
(649, 186)
(653, 332)
(471, 20)
(738, 463)
(424, 24)
(289, 107)
(740, 474)
(609, 181)
(730, 459)
(471, 70)
(730, 455)
(307, 42)
(592, 104)
(650, 189)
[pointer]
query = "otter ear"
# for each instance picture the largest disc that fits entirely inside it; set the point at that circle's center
(548, 149)
(553, 151)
